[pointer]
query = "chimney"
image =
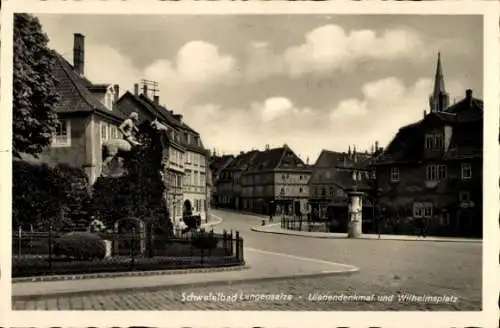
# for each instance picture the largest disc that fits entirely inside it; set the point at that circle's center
(468, 96)
(79, 53)
(425, 113)
(157, 99)
(178, 117)
(136, 89)
(145, 90)
(376, 145)
(116, 89)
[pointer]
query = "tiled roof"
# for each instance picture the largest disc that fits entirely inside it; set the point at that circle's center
(218, 163)
(329, 158)
(277, 158)
(74, 91)
(408, 144)
(242, 161)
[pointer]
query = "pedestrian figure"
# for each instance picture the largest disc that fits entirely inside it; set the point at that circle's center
(422, 227)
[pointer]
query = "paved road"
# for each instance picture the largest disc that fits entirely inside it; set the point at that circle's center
(451, 271)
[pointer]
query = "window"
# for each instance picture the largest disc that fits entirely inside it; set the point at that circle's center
(300, 177)
(436, 172)
(429, 141)
(104, 131)
(62, 136)
(464, 196)
(434, 141)
(323, 192)
(300, 189)
(466, 171)
(332, 192)
(422, 210)
(394, 174)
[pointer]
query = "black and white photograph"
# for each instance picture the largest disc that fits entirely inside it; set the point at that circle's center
(317, 161)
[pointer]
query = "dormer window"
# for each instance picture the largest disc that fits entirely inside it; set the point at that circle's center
(434, 141)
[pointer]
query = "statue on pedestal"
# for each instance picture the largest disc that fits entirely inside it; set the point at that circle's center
(113, 150)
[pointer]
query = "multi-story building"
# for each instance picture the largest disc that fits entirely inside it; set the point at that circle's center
(87, 116)
(217, 165)
(228, 184)
(275, 181)
(432, 170)
(187, 159)
(335, 174)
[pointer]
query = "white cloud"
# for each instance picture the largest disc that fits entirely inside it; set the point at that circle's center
(197, 65)
(385, 106)
(201, 62)
(275, 107)
(330, 47)
(382, 108)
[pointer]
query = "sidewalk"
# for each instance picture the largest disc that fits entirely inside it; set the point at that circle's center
(263, 265)
(255, 215)
(276, 229)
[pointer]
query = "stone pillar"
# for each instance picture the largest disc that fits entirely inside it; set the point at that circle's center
(355, 214)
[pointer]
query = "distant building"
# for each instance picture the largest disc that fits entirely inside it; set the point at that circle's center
(431, 171)
(87, 116)
(217, 165)
(275, 180)
(186, 171)
(228, 184)
(335, 174)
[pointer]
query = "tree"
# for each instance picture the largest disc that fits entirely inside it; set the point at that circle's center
(140, 193)
(35, 96)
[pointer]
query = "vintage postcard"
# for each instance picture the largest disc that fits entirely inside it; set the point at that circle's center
(243, 164)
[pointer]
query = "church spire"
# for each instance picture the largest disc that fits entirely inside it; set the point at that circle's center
(439, 100)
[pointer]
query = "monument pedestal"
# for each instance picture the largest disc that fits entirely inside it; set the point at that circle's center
(107, 245)
(355, 226)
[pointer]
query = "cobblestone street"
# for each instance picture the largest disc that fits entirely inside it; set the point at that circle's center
(419, 268)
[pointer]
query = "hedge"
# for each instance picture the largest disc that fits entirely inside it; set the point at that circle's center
(41, 193)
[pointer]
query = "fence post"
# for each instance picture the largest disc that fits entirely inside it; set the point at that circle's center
(50, 246)
(210, 240)
(224, 241)
(19, 236)
(237, 244)
(231, 242)
(242, 257)
(132, 248)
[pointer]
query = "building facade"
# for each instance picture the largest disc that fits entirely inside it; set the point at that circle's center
(276, 181)
(87, 116)
(187, 163)
(228, 184)
(431, 172)
(217, 165)
(335, 174)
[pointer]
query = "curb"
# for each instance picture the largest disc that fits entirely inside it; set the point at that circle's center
(125, 274)
(294, 233)
(192, 284)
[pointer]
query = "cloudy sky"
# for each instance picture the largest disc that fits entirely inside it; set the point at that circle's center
(311, 81)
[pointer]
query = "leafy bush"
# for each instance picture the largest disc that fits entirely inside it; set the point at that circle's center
(40, 193)
(193, 222)
(80, 246)
(204, 240)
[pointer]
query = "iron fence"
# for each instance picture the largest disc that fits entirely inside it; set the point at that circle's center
(36, 253)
